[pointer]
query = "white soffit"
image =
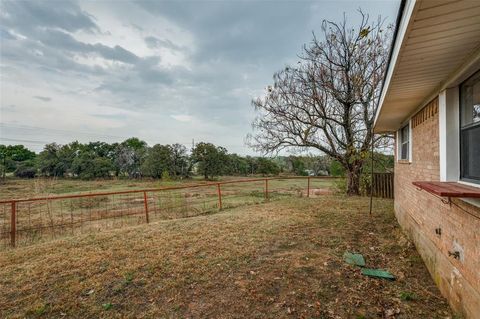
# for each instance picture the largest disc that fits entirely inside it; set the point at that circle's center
(439, 39)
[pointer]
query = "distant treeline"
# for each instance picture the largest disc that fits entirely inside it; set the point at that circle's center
(133, 158)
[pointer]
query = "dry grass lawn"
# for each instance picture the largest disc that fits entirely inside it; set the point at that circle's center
(277, 260)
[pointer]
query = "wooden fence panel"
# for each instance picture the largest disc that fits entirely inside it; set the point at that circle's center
(382, 185)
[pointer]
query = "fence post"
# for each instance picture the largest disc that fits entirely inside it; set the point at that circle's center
(266, 189)
(308, 186)
(145, 202)
(13, 224)
(219, 192)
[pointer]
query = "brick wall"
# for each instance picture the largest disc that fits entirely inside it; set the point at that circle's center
(420, 213)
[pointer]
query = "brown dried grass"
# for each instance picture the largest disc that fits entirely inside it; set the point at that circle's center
(277, 260)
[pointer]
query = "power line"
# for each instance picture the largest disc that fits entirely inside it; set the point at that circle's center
(36, 128)
(23, 141)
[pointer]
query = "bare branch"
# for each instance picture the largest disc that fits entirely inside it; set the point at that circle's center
(327, 101)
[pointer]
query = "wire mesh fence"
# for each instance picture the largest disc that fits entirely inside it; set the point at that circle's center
(27, 221)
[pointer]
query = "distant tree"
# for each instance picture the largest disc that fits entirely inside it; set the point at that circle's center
(318, 165)
(129, 156)
(3, 170)
(18, 153)
(11, 155)
(88, 165)
(252, 165)
(51, 162)
(327, 101)
(236, 165)
(159, 159)
(297, 165)
(181, 165)
(266, 166)
(125, 160)
(282, 163)
(101, 149)
(68, 153)
(210, 159)
(102, 167)
(382, 163)
(135, 143)
(134, 158)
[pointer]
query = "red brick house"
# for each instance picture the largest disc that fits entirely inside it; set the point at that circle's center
(431, 101)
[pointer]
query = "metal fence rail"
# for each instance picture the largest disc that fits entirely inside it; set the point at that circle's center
(30, 220)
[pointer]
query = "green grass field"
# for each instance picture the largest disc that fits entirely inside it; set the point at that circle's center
(282, 259)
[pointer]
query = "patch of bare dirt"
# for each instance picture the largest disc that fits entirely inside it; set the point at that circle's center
(316, 192)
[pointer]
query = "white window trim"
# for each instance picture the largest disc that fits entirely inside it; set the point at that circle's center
(410, 140)
(449, 133)
(399, 143)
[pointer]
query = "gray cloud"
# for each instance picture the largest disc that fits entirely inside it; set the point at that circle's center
(43, 98)
(153, 42)
(65, 41)
(64, 15)
(241, 31)
(5, 34)
(101, 60)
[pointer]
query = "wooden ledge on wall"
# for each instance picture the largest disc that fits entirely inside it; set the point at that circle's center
(449, 189)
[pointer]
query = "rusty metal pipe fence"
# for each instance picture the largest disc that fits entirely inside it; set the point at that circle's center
(31, 220)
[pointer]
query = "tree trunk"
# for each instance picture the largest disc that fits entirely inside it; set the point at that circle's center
(353, 181)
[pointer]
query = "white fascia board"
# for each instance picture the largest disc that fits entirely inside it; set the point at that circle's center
(405, 22)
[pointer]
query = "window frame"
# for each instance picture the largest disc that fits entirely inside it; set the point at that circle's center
(401, 143)
(463, 128)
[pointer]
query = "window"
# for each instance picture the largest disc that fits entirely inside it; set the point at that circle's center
(470, 129)
(404, 142)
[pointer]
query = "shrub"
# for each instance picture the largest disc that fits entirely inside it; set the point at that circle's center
(336, 169)
(165, 176)
(25, 170)
(340, 185)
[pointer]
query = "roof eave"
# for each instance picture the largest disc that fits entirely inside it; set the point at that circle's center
(406, 10)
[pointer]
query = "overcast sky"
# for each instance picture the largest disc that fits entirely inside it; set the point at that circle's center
(163, 71)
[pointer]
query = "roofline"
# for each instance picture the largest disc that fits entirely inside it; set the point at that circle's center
(405, 12)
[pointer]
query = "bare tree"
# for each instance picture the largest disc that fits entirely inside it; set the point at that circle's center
(327, 101)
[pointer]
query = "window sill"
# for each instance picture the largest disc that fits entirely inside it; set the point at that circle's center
(402, 161)
(469, 184)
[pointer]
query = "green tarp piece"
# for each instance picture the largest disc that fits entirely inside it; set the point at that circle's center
(378, 273)
(354, 259)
